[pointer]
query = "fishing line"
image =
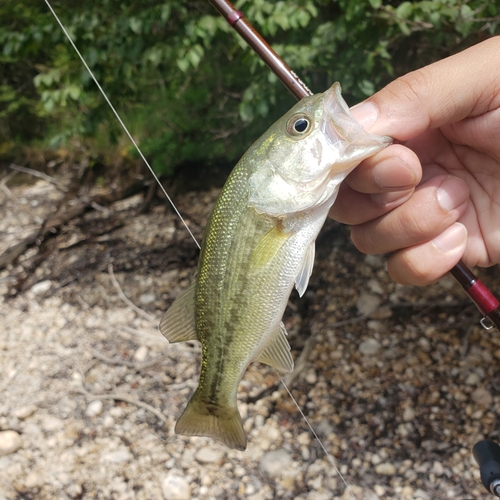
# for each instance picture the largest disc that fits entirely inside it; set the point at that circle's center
(120, 121)
(328, 455)
(132, 140)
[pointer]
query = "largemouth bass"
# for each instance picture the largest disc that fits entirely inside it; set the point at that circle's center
(259, 242)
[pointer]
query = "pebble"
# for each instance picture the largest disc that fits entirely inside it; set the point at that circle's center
(273, 463)
(374, 261)
(10, 442)
(375, 287)
(311, 377)
(421, 495)
(147, 298)
(51, 423)
(367, 303)
(118, 456)
(375, 325)
(24, 412)
(94, 408)
(141, 354)
(34, 480)
(208, 455)
(369, 347)
(472, 379)
(385, 469)
(175, 487)
(437, 468)
(408, 414)
(41, 287)
(482, 397)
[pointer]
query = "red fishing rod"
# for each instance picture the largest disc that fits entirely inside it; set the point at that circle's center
(485, 301)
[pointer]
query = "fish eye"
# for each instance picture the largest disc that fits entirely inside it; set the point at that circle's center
(299, 125)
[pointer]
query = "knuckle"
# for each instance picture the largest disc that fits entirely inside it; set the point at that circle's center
(408, 269)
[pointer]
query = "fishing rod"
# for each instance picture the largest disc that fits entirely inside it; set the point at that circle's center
(487, 304)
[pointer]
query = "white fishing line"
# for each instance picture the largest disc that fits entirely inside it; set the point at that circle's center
(328, 455)
(129, 135)
(120, 120)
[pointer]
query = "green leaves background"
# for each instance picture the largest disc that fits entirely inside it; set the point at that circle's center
(187, 86)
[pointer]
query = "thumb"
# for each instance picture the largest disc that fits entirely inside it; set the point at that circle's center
(465, 84)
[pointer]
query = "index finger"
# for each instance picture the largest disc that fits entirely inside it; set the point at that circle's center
(465, 84)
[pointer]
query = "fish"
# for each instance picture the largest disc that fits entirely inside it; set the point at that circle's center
(258, 244)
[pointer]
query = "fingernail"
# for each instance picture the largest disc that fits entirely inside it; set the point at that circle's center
(452, 193)
(394, 173)
(453, 238)
(365, 113)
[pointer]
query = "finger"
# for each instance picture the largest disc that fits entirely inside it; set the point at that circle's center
(444, 92)
(423, 264)
(396, 168)
(353, 207)
(433, 207)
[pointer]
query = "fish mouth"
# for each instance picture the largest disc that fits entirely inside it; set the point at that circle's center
(342, 130)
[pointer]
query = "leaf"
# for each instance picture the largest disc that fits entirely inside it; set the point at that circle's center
(404, 10)
(135, 25)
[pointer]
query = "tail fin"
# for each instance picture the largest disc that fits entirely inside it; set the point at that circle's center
(219, 422)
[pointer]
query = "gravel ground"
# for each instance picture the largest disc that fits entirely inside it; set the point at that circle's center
(398, 382)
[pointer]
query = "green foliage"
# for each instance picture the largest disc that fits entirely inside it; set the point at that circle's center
(187, 86)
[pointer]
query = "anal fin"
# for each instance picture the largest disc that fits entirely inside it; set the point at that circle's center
(178, 323)
(277, 352)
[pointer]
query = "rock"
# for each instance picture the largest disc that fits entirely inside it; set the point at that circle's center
(41, 287)
(311, 377)
(421, 495)
(24, 412)
(367, 303)
(141, 354)
(472, 379)
(51, 423)
(273, 463)
(374, 261)
(10, 442)
(375, 287)
(369, 347)
(375, 325)
(147, 298)
(94, 408)
(108, 421)
(482, 397)
(437, 468)
(34, 480)
(208, 455)
(118, 456)
(385, 469)
(408, 414)
(175, 487)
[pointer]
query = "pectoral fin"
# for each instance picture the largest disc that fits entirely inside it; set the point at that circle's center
(302, 279)
(268, 247)
(178, 323)
(277, 352)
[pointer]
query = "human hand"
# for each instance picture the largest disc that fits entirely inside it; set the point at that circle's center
(434, 198)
